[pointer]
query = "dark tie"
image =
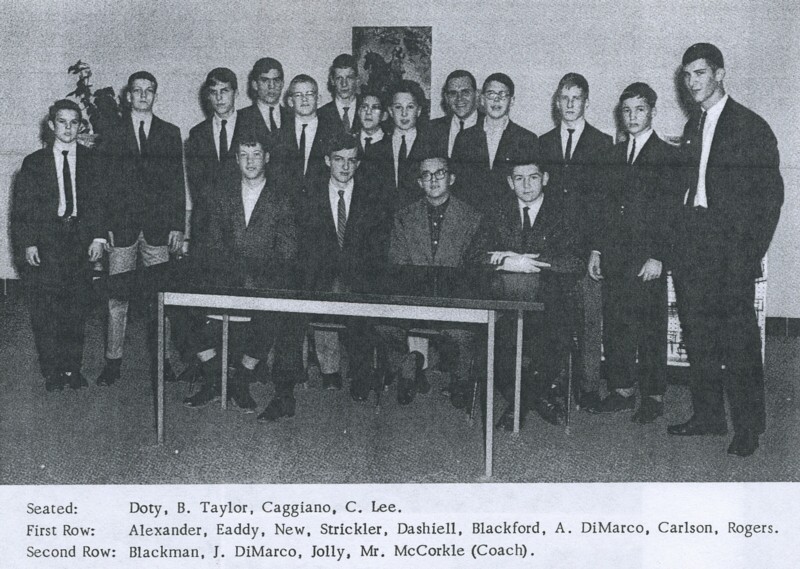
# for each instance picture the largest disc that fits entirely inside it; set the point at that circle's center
(461, 125)
(401, 160)
(142, 139)
(67, 175)
(633, 152)
(302, 146)
(273, 126)
(346, 119)
(526, 220)
(698, 151)
(223, 141)
(568, 151)
(367, 143)
(341, 219)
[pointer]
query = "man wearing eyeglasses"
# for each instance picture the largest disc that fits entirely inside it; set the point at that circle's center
(482, 153)
(346, 231)
(437, 230)
(266, 116)
(460, 101)
(339, 115)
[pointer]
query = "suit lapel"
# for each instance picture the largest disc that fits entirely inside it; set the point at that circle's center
(421, 231)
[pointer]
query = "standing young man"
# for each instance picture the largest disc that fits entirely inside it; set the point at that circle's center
(340, 114)
(266, 116)
(460, 98)
(734, 193)
(57, 225)
(145, 211)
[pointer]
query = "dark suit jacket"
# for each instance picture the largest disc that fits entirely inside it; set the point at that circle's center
(286, 161)
(329, 116)
(407, 189)
(640, 202)
(744, 186)
(35, 203)
(366, 234)
(554, 235)
(439, 131)
(253, 121)
(477, 183)
(147, 188)
(459, 242)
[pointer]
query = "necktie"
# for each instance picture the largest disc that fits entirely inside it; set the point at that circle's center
(142, 139)
(273, 126)
(302, 147)
(568, 151)
(401, 159)
(367, 143)
(526, 220)
(698, 151)
(67, 175)
(223, 141)
(633, 152)
(341, 219)
(461, 125)
(346, 119)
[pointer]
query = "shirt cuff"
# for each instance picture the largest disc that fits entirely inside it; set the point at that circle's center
(99, 240)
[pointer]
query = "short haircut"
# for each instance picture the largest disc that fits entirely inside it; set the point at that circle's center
(371, 92)
(641, 90)
(500, 78)
(221, 75)
(265, 65)
(574, 80)
(142, 75)
(458, 74)
(433, 156)
(342, 61)
(250, 137)
(340, 141)
(411, 87)
(707, 51)
(64, 105)
(525, 158)
(302, 78)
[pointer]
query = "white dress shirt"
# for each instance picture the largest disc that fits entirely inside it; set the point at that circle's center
(137, 118)
(397, 140)
(455, 128)
(712, 118)
(250, 197)
(333, 195)
(58, 148)
(578, 127)
(641, 140)
(276, 113)
(351, 109)
(493, 136)
(533, 209)
(311, 133)
(377, 136)
(230, 126)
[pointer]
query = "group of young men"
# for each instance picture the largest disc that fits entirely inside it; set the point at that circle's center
(366, 181)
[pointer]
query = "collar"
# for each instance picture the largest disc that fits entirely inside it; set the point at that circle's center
(334, 189)
(139, 117)
(300, 121)
(376, 136)
(643, 137)
(578, 128)
(437, 209)
(265, 106)
(231, 120)
(351, 105)
(487, 127)
(59, 147)
(470, 121)
(714, 112)
(533, 206)
(410, 133)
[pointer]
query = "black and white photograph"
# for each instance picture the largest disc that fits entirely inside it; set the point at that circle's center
(451, 259)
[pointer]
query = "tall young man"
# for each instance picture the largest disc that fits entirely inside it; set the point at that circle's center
(460, 100)
(340, 114)
(266, 116)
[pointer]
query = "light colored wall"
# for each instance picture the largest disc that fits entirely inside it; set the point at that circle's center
(612, 43)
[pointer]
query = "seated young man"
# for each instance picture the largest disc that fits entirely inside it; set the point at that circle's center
(535, 233)
(437, 230)
(253, 231)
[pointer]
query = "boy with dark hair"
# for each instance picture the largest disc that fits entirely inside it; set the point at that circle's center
(266, 115)
(340, 113)
(460, 102)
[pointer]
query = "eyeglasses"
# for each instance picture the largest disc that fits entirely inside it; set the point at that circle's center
(429, 176)
(370, 108)
(497, 95)
(463, 94)
(306, 95)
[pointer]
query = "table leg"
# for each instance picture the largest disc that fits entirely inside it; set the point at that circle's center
(518, 374)
(160, 377)
(226, 320)
(490, 392)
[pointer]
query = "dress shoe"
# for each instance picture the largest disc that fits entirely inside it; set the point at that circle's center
(409, 380)
(280, 406)
(548, 410)
(239, 393)
(506, 421)
(743, 444)
(332, 381)
(110, 373)
(53, 381)
(208, 392)
(695, 427)
(649, 410)
(614, 403)
(190, 374)
(74, 379)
